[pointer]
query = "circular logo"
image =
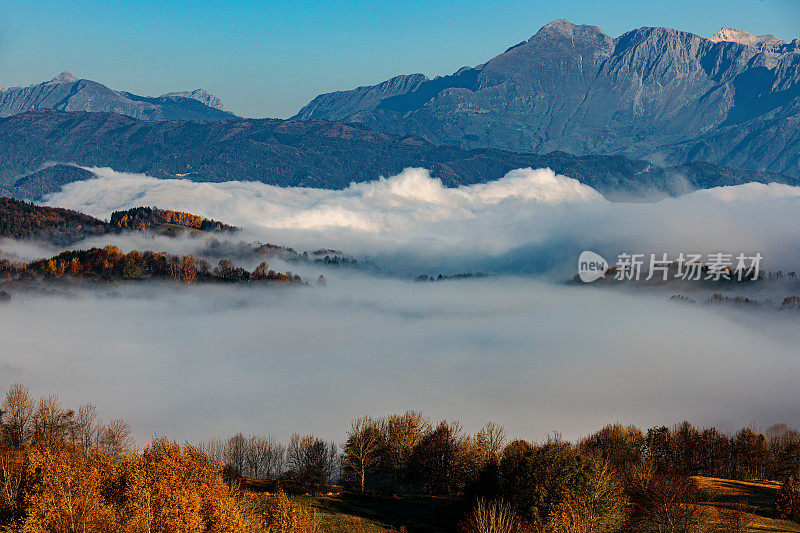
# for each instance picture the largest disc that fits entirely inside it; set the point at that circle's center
(591, 266)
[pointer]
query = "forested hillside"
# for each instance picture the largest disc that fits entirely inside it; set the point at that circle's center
(24, 220)
(314, 153)
(144, 218)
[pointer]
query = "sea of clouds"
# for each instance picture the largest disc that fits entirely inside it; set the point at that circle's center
(521, 348)
(529, 221)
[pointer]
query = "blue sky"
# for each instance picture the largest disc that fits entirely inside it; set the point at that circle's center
(270, 58)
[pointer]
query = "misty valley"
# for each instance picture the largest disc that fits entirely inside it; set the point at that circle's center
(552, 291)
(146, 308)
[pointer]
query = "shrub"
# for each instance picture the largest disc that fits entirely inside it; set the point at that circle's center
(788, 500)
(492, 517)
(277, 513)
(664, 502)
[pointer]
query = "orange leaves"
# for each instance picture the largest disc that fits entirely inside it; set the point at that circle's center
(277, 513)
(143, 218)
(75, 267)
(188, 272)
(168, 488)
(174, 488)
(66, 495)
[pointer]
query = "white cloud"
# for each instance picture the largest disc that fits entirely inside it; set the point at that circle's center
(527, 221)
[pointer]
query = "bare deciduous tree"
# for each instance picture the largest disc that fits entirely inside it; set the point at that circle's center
(275, 459)
(115, 438)
(213, 448)
(489, 442)
(51, 420)
(17, 415)
(86, 426)
(361, 452)
(263, 457)
(236, 452)
(313, 460)
(400, 434)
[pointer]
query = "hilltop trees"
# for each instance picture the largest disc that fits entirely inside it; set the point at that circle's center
(311, 460)
(115, 438)
(20, 220)
(143, 218)
(556, 487)
(65, 493)
(442, 462)
(620, 446)
(168, 488)
(109, 263)
(400, 434)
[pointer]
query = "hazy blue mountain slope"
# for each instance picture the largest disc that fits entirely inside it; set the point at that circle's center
(314, 153)
(65, 92)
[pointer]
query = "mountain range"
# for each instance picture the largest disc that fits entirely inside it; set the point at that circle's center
(65, 92)
(312, 153)
(659, 94)
(655, 110)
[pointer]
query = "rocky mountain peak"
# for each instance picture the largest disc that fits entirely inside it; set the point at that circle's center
(562, 28)
(64, 77)
(652, 92)
(734, 35)
(560, 25)
(201, 95)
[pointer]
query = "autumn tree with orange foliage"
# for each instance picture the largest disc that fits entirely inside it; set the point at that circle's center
(168, 488)
(67, 492)
(177, 488)
(62, 472)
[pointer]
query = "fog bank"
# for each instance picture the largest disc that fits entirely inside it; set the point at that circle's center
(191, 362)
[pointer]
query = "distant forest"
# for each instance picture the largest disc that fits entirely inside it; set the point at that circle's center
(109, 263)
(24, 220)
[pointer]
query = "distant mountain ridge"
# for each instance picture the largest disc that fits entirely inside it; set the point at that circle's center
(66, 92)
(653, 93)
(315, 153)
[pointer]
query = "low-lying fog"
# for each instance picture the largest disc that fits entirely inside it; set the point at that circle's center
(531, 353)
(536, 357)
